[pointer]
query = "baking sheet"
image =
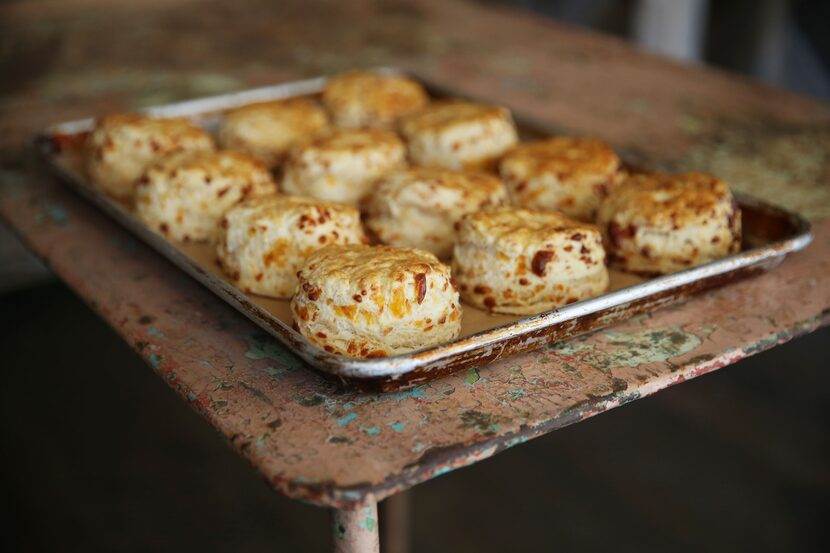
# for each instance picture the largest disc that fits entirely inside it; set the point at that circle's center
(769, 234)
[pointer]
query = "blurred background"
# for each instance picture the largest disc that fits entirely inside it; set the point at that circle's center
(99, 456)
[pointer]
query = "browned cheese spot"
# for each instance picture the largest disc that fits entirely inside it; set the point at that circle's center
(617, 233)
(540, 261)
(311, 291)
(420, 286)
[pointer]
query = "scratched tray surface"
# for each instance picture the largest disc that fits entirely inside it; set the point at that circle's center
(770, 233)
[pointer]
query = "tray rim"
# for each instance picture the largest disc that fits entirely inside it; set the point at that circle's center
(395, 367)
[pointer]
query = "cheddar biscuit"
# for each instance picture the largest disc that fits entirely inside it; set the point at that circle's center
(663, 223)
(418, 207)
(458, 135)
(518, 261)
(368, 99)
(268, 130)
(566, 174)
(365, 301)
(266, 240)
(122, 146)
(344, 165)
(185, 196)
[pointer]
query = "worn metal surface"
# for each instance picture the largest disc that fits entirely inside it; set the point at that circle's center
(769, 235)
(307, 436)
(355, 529)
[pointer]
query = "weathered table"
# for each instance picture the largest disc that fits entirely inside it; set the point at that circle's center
(347, 450)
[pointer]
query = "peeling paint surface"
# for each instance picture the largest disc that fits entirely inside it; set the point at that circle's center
(310, 437)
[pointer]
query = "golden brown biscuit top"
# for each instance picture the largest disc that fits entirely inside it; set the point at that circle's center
(659, 198)
(564, 156)
(522, 227)
(469, 183)
(362, 266)
(299, 113)
(226, 163)
(177, 127)
(444, 114)
(356, 140)
(281, 205)
(387, 96)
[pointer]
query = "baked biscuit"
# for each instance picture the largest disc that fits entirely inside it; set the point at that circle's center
(344, 165)
(458, 135)
(185, 196)
(365, 301)
(268, 130)
(418, 207)
(566, 174)
(267, 239)
(123, 145)
(518, 261)
(660, 223)
(368, 99)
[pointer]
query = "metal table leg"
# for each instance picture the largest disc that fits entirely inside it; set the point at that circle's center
(355, 530)
(395, 515)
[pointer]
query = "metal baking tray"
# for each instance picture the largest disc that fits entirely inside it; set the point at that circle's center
(770, 233)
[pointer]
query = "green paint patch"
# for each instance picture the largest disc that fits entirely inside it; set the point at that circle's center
(262, 346)
(368, 523)
(370, 431)
(568, 368)
(571, 348)
(256, 392)
(415, 393)
(472, 376)
(483, 423)
(347, 419)
(312, 400)
(397, 426)
(513, 395)
(632, 349)
(277, 372)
